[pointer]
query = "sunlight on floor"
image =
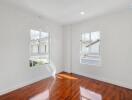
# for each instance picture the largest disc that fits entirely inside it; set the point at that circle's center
(67, 76)
(42, 96)
(89, 95)
(59, 77)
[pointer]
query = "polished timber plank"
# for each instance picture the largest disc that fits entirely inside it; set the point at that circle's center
(67, 86)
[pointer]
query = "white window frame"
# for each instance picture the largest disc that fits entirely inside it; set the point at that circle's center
(39, 53)
(97, 61)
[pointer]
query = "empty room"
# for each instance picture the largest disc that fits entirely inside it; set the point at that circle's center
(65, 49)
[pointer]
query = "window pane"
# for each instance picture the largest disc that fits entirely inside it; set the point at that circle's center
(86, 37)
(44, 35)
(34, 35)
(34, 49)
(95, 36)
(90, 47)
(43, 48)
(39, 48)
(95, 49)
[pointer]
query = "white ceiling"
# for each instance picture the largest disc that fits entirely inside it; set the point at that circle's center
(68, 11)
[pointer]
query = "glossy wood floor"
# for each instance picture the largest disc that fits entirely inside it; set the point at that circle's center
(69, 87)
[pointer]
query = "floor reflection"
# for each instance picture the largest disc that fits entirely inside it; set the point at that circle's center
(42, 96)
(86, 94)
(45, 95)
(67, 76)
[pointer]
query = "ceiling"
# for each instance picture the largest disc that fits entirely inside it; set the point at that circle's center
(68, 11)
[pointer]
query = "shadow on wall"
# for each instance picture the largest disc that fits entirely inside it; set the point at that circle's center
(52, 69)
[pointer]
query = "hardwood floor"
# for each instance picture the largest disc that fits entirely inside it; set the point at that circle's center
(69, 87)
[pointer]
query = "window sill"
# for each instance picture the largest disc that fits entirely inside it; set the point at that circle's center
(90, 62)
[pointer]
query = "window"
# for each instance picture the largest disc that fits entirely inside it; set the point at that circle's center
(39, 48)
(90, 48)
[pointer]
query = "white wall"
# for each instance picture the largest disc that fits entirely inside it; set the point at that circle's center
(67, 48)
(15, 25)
(116, 48)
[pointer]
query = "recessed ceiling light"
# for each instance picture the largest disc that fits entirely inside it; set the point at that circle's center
(82, 12)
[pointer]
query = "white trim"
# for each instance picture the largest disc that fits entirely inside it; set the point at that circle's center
(79, 73)
(18, 86)
(21, 85)
(128, 86)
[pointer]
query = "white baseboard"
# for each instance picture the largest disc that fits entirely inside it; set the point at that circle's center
(106, 80)
(83, 74)
(67, 70)
(5, 91)
(21, 85)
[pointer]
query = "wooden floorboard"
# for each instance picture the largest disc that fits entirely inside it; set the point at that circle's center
(67, 86)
